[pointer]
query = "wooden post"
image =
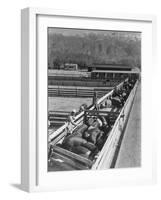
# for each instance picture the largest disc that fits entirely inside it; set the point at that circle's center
(94, 97)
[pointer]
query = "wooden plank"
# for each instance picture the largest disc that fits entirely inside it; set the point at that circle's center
(73, 155)
(70, 162)
(101, 112)
(66, 112)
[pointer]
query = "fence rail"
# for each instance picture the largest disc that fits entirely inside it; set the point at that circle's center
(81, 82)
(57, 118)
(54, 91)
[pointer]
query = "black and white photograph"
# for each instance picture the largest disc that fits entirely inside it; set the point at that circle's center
(94, 99)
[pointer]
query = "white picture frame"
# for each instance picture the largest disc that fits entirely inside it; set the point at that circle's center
(31, 77)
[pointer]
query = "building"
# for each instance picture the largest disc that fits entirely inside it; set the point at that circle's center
(70, 66)
(111, 71)
(109, 67)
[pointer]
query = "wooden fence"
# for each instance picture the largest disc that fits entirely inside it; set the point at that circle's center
(54, 91)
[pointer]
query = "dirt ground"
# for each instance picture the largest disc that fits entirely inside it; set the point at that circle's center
(66, 103)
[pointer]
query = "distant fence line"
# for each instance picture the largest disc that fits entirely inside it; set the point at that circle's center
(75, 91)
(83, 83)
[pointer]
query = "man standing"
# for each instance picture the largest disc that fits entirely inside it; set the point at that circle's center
(94, 98)
(71, 123)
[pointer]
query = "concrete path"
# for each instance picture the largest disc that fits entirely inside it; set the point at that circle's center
(130, 151)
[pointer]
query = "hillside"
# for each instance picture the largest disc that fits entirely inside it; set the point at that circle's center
(87, 47)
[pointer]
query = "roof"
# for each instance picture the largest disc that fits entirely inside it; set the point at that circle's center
(115, 71)
(71, 64)
(118, 66)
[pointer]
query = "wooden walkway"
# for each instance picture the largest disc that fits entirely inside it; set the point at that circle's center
(130, 150)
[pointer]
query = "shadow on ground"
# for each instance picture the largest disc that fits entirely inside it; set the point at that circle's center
(17, 186)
